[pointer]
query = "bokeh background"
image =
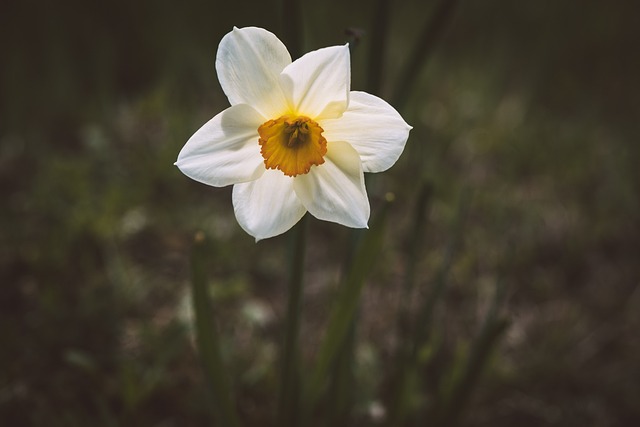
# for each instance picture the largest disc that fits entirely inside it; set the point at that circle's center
(530, 107)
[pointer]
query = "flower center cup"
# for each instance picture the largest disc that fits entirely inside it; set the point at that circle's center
(292, 144)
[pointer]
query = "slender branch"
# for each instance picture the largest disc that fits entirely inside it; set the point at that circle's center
(289, 399)
(430, 34)
(289, 402)
(415, 243)
(378, 47)
(208, 339)
(291, 26)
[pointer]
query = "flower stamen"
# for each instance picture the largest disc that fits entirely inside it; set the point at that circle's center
(292, 144)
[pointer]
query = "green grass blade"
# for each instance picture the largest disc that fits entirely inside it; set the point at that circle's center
(415, 243)
(341, 392)
(492, 329)
(427, 40)
(441, 279)
(292, 26)
(207, 337)
(289, 399)
(340, 395)
(346, 305)
(409, 350)
(378, 47)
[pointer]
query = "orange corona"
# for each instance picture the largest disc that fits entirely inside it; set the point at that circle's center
(292, 144)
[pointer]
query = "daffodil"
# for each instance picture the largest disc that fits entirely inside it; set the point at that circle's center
(295, 139)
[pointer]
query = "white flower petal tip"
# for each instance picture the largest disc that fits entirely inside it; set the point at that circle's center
(267, 206)
(374, 128)
(335, 191)
(295, 139)
(249, 62)
(318, 83)
(223, 151)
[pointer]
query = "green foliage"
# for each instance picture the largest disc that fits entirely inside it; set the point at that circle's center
(341, 319)
(208, 339)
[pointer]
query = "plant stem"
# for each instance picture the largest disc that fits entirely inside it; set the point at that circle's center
(340, 395)
(408, 352)
(208, 339)
(421, 51)
(291, 27)
(289, 399)
(450, 410)
(345, 306)
(378, 47)
(289, 404)
(415, 244)
(442, 276)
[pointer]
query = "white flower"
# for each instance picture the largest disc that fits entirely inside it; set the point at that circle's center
(295, 138)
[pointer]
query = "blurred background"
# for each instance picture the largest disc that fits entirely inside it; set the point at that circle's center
(530, 107)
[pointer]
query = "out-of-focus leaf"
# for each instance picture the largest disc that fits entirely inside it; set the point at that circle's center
(208, 338)
(409, 352)
(346, 304)
(453, 402)
(289, 399)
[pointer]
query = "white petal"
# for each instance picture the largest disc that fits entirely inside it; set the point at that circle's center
(334, 191)
(317, 84)
(249, 62)
(225, 150)
(373, 127)
(267, 206)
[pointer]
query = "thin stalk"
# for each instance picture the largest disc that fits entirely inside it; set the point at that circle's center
(404, 369)
(341, 395)
(291, 26)
(341, 388)
(410, 348)
(345, 307)
(427, 40)
(289, 398)
(492, 329)
(207, 337)
(417, 232)
(442, 276)
(289, 403)
(378, 46)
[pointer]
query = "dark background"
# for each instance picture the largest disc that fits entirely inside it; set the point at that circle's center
(533, 106)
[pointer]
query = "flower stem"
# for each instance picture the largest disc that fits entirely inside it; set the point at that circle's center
(415, 243)
(378, 47)
(291, 27)
(289, 399)
(346, 305)
(423, 48)
(451, 405)
(408, 352)
(208, 339)
(289, 404)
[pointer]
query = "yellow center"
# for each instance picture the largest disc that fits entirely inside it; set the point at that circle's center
(292, 144)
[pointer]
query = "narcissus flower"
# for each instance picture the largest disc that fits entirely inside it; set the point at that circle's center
(295, 138)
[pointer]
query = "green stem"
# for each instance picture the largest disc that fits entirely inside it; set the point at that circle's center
(340, 395)
(345, 306)
(415, 243)
(449, 411)
(421, 51)
(208, 339)
(442, 276)
(289, 399)
(378, 47)
(408, 352)
(289, 404)
(291, 27)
